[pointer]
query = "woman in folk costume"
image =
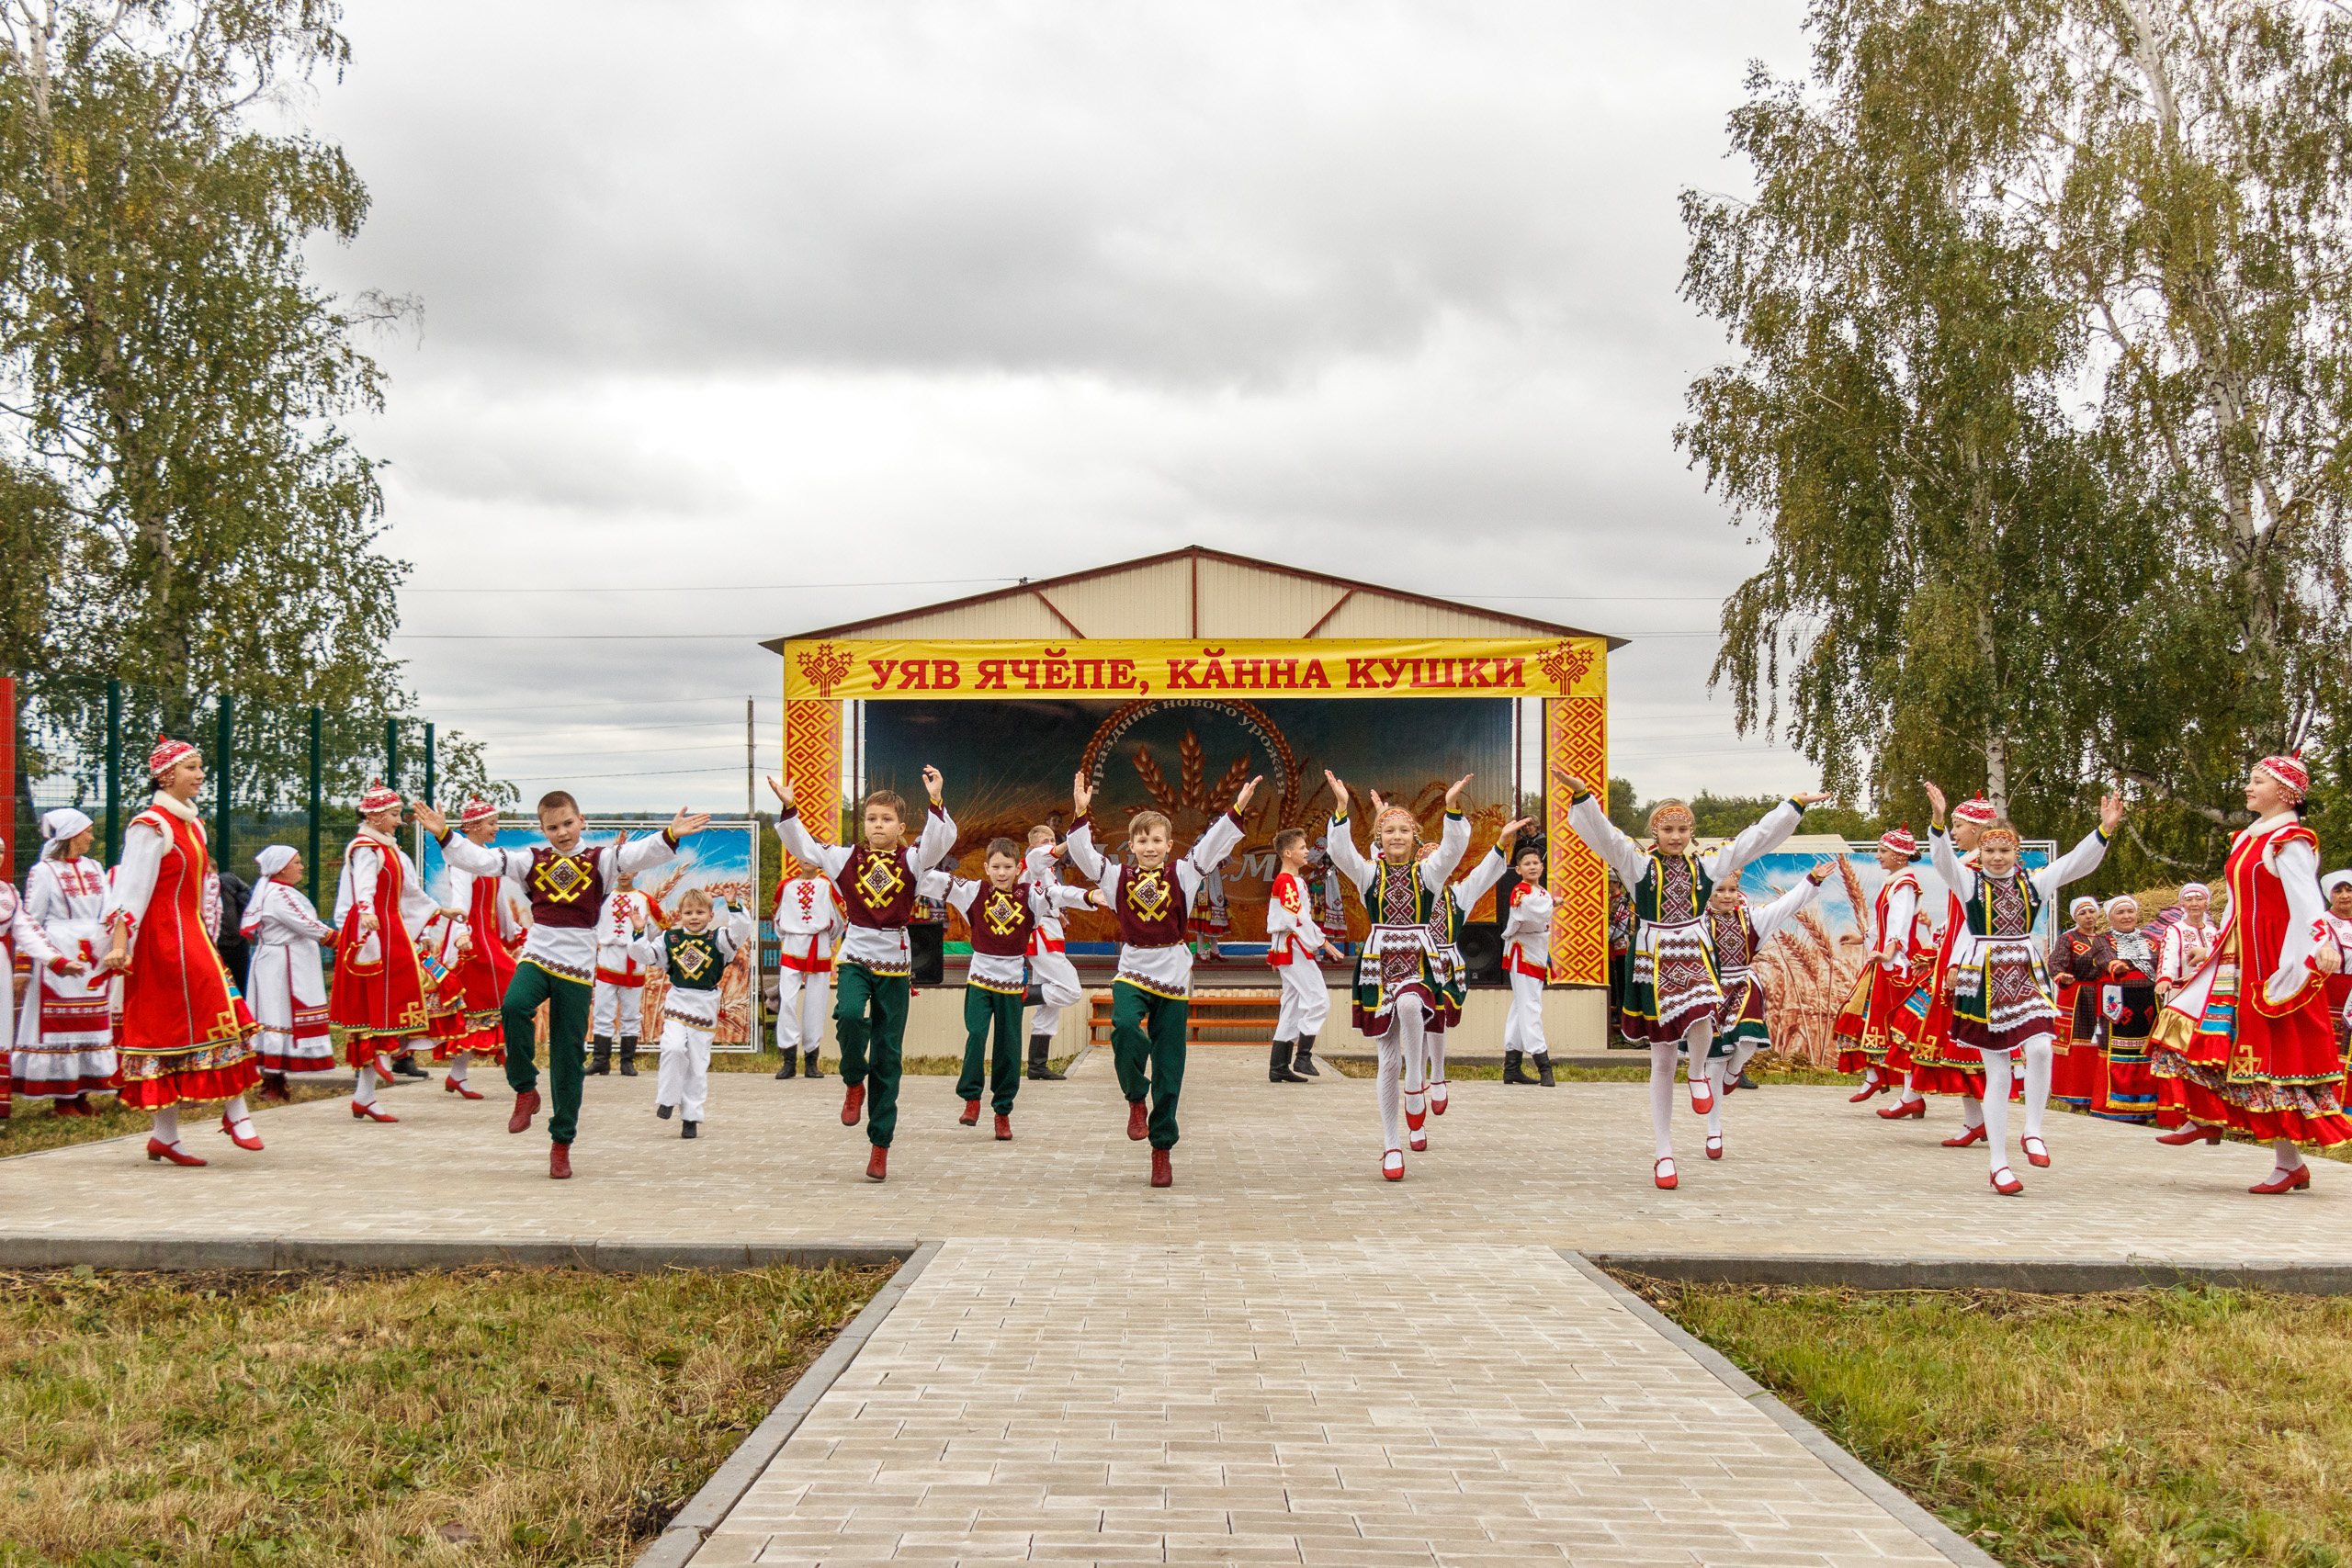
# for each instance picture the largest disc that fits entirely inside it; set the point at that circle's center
(1451, 972)
(807, 920)
(2337, 887)
(2127, 1014)
(65, 1050)
(1922, 1029)
(184, 1027)
(1864, 1030)
(22, 937)
(1398, 978)
(2248, 1038)
(481, 956)
(1671, 990)
(287, 990)
(2184, 945)
(2077, 959)
(1210, 919)
(380, 989)
(2000, 985)
(1737, 935)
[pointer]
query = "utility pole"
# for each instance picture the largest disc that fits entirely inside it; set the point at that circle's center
(751, 761)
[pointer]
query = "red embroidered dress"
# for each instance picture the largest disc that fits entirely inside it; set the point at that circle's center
(184, 1027)
(378, 998)
(484, 969)
(1865, 1028)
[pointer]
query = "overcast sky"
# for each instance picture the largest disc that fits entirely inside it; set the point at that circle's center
(839, 293)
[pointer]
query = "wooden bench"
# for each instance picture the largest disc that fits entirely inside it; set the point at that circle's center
(1220, 1016)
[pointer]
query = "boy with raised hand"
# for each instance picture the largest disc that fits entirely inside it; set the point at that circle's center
(1053, 978)
(1151, 1005)
(567, 885)
(1292, 942)
(872, 968)
(694, 954)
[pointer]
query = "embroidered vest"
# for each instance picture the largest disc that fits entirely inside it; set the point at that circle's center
(693, 958)
(566, 891)
(1001, 921)
(877, 889)
(1735, 936)
(1676, 890)
(2003, 907)
(1151, 907)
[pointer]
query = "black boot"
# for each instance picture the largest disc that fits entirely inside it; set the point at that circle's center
(1512, 1071)
(629, 1056)
(791, 1063)
(808, 1069)
(686, 1129)
(406, 1066)
(1543, 1070)
(1302, 1060)
(1039, 1067)
(1035, 996)
(1278, 1067)
(602, 1062)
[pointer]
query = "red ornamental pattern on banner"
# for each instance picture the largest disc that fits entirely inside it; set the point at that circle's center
(812, 760)
(1575, 739)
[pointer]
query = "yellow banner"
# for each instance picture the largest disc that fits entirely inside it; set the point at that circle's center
(1119, 668)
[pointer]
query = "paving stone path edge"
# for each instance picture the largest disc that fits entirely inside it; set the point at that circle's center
(683, 1537)
(1955, 1547)
(262, 1252)
(2042, 1276)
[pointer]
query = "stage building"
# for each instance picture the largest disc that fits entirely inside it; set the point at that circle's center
(1172, 679)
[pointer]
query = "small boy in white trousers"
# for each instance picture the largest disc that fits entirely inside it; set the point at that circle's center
(1527, 959)
(806, 918)
(696, 953)
(1292, 942)
(1053, 978)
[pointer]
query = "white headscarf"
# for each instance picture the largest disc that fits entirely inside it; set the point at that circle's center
(62, 824)
(2333, 880)
(2079, 905)
(2197, 887)
(273, 860)
(2117, 902)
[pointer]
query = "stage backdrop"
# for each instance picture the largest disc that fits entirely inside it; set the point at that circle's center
(723, 860)
(1009, 767)
(1230, 679)
(1807, 969)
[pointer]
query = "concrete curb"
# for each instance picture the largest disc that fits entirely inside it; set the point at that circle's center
(684, 1536)
(1955, 1547)
(604, 1254)
(2045, 1276)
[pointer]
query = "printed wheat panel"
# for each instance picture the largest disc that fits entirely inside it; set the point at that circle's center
(1576, 737)
(812, 761)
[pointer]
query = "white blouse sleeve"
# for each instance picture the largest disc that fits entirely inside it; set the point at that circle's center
(133, 882)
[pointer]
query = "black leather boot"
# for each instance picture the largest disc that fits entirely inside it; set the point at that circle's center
(791, 1068)
(1278, 1065)
(808, 1068)
(1302, 1060)
(1543, 1070)
(602, 1062)
(629, 1056)
(1512, 1071)
(1040, 1067)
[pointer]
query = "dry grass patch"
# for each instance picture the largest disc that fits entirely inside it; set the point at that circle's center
(483, 1414)
(31, 1126)
(2139, 1429)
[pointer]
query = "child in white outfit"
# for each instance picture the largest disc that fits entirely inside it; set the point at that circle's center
(697, 952)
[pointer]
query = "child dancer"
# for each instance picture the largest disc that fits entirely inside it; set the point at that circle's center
(1922, 1029)
(288, 990)
(1052, 976)
(1886, 981)
(618, 1006)
(379, 907)
(482, 955)
(567, 884)
(1151, 1006)
(1005, 914)
(1527, 961)
(1292, 942)
(1738, 934)
(1397, 973)
(183, 1028)
(1672, 991)
(65, 1037)
(878, 883)
(1452, 975)
(2000, 987)
(694, 954)
(1209, 918)
(806, 916)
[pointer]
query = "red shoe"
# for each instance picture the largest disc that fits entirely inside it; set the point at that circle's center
(1417, 1141)
(2006, 1183)
(1966, 1136)
(1004, 1129)
(1437, 1097)
(1703, 1094)
(1392, 1165)
(1662, 1174)
(370, 1113)
(70, 1108)
(527, 1105)
(243, 1140)
(851, 1103)
(1138, 1121)
(158, 1149)
(971, 1117)
(1918, 1107)
(1415, 1119)
(2294, 1180)
(1161, 1175)
(2190, 1134)
(1715, 1148)
(877, 1165)
(1869, 1090)
(559, 1162)
(273, 1092)
(2036, 1153)
(457, 1087)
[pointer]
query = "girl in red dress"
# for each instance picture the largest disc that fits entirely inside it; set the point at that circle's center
(378, 999)
(184, 1027)
(485, 962)
(2248, 1040)
(1864, 1030)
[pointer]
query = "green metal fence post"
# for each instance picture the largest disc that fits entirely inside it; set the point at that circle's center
(392, 755)
(224, 775)
(114, 772)
(317, 722)
(428, 766)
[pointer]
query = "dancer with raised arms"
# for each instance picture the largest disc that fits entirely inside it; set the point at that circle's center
(1452, 972)
(1672, 994)
(1295, 944)
(380, 908)
(1864, 1030)
(483, 950)
(1738, 935)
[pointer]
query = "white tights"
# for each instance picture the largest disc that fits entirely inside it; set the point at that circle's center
(1725, 1072)
(364, 1092)
(1402, 1052)
(167, 1125)
(459, 1063)
(1698, 1039)
(1993, 1111)
(1433, 1046)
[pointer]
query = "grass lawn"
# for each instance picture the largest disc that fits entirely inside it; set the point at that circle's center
(31, 1126)
(491, 1414)
(2140, 1430)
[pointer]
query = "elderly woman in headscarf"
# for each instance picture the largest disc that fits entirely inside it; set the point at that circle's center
(2184, 944)
(64, 1044)
(2337, 886)
(288, 995)
(2127, 1010)
(2077, 958)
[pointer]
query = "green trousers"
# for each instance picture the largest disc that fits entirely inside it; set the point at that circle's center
(870, 1025)
(1147, 1029)
(982, 1007)
(568, 1003)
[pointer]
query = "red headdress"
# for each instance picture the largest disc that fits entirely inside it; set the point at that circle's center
(1900, 841)
(2287, 770)
(476, 810)
(1979, 811)
(167, 753)
(377, 798)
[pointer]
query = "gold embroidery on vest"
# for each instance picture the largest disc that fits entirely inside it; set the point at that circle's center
(563, 878)
(1148, 894)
